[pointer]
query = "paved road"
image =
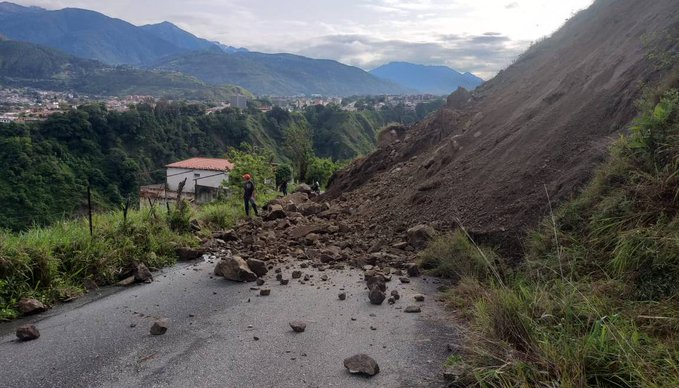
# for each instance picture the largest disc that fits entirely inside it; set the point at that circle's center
(103, 339)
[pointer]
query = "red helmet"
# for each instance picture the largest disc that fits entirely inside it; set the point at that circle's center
(247, 177)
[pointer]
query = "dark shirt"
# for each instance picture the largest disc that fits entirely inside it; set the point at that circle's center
(249, 189)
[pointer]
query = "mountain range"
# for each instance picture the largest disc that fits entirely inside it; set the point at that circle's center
(166, 47)
(440, 80)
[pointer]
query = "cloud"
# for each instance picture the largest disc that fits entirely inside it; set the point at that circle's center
(482, 55)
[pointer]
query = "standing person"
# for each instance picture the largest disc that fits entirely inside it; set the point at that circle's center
(249, 195)
(316, 188)
(284, 188)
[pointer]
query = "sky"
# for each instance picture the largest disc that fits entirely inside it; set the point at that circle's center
(479, 36)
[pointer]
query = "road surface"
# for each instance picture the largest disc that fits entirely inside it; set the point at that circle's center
(103, 340)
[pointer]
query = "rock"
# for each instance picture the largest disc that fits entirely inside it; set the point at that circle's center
(413, 309)
(420, 235)
(27, 332)
(376, 281)
(298, 326)
(126, 282)
(159, 327)
(226, 235)
(275, 213)
(187, 254)
(394, 293)
(419, 298)
(304, 188)
(342, 295)
(324, 277)
(362, 364)
(284, 282)
(391, 300)
(413, 270)
(303, 230)
(236, 269)
(404, 280)
(296, 274)
(260, 282)
(265, 292)
(257, 266)
(376, 296)
(30, 306)
(142, 274)
(310, 208)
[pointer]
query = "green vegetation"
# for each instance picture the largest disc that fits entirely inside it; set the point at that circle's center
(594, 303)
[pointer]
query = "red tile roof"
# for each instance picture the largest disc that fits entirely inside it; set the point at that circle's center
(212, 164)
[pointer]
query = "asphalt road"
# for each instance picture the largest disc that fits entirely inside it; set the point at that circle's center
(103, 340)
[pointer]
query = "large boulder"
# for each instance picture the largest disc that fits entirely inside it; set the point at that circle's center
(304, 188)
(30, 306)
(304, 230)
(297, 198)
(376, 295)
(236, 269)
(362, 364)
(311, 208)
(257, 266)
(276, 212)
(420, 235)
(226, 235)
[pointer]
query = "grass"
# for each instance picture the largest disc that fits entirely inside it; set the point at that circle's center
(54, 263)
(594, 303)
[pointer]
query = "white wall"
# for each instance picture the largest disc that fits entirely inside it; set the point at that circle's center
(176, 175)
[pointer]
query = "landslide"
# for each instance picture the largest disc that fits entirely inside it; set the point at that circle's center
(544, 122)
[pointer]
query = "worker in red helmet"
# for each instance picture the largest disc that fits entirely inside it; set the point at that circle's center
(249, 195)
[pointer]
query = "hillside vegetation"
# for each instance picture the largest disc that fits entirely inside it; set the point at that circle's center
(28, 65)
(595, 302)
(48, 164)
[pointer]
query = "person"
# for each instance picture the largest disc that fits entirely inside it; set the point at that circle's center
(316, 188)
(249, 195)
(284, 188)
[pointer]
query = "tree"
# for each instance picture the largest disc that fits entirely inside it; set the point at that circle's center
(254, 161)
(283, 174)
(321, 169)
(299, 148)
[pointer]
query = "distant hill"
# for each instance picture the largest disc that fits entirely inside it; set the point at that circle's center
(25, 64)
(178, 37)
(279, 74)
(440, 80)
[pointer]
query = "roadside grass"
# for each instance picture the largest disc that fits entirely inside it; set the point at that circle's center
(594, 303)
(55, 263)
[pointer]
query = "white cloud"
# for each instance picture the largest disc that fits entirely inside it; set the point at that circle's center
(365, 33)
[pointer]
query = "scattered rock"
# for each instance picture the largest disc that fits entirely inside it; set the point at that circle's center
(265, 292)
(413, 309)
(30, 306)
(188, 254)
(257, 266)
(376, 296)
(285, 282)
(391, 300)
(419, 298)
(296, 274)
(395, 295)
(27, 332)
(413, 270)
(324, 277)
(304, 188)
(159, 327)
(142, 274)
(236, 269)
(404, 280)
(260, 282)
(298, 326)
(420, 235)
(226, 235)
(362, 364)
(276, 212)
(342, 295)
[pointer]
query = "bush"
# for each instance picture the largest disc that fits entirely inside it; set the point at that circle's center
(455, 256)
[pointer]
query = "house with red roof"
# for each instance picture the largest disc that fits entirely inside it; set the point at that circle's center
(203, 181)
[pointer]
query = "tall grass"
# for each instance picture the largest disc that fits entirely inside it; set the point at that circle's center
(595, 302)
(54, 263)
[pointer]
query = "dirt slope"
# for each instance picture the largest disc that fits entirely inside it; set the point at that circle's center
(545, 121)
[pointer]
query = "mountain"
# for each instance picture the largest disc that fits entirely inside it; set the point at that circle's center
(25, 64)
(489, 158)
(178, 37)
(440, 80)
(279, 74)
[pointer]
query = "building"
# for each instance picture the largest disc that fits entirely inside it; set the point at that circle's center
(239, 101)
(203, 177)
